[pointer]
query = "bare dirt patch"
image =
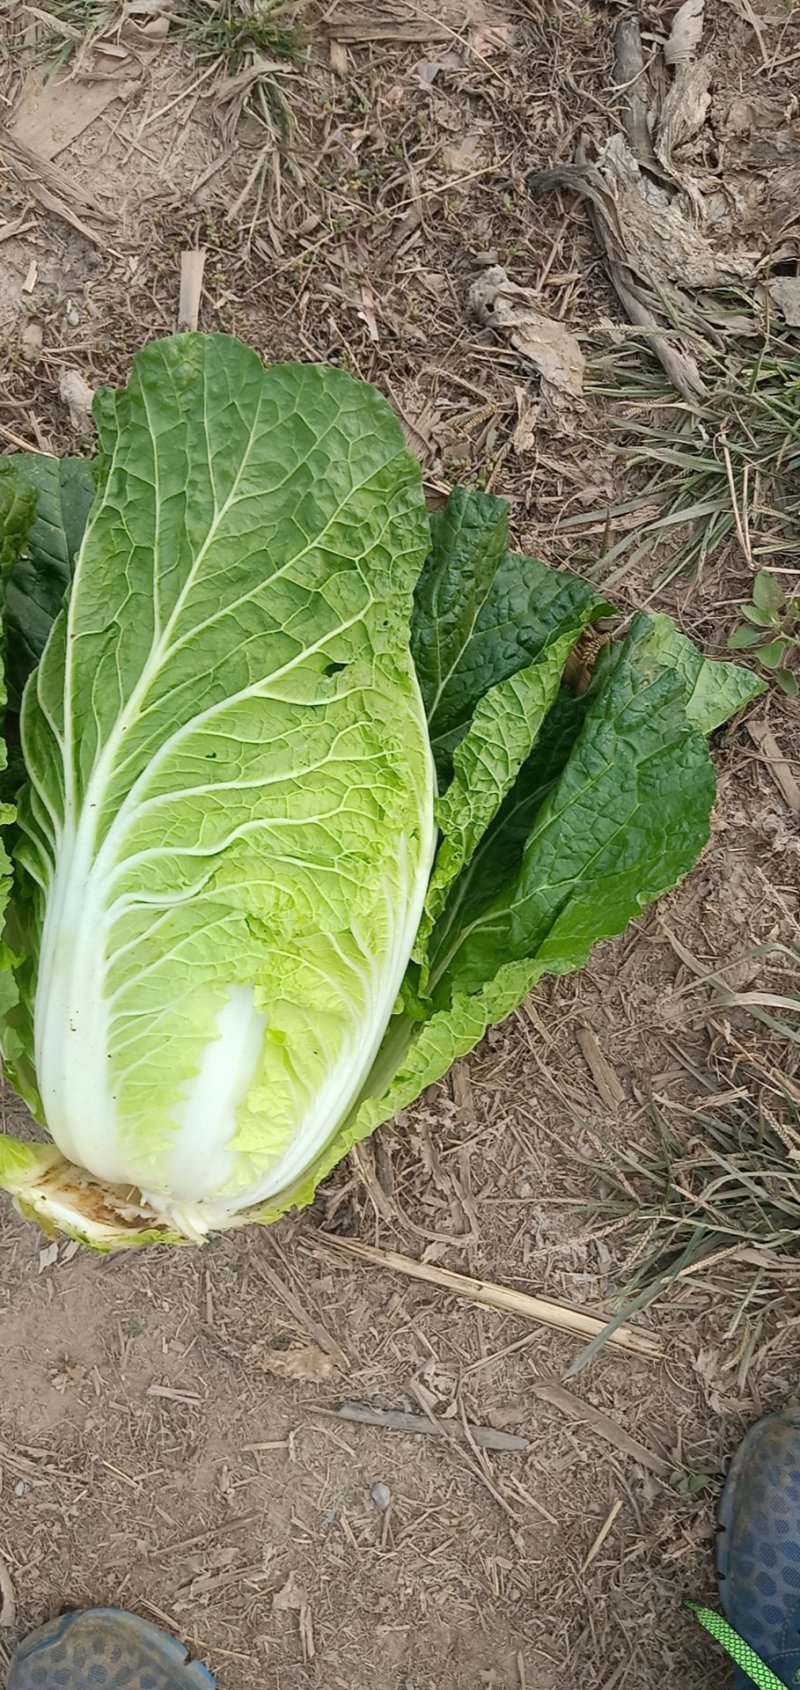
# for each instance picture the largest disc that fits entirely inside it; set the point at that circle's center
(160, 1441)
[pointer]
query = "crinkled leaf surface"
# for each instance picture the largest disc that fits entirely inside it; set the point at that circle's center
(481, 613)
(281, 634)
(61, 491)
(610, 809)
(624, 820)
(714, 690)
(17, 509)
(228, 828)
(469, 540)
(504, 728)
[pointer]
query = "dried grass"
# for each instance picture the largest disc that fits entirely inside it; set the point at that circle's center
(726, 467)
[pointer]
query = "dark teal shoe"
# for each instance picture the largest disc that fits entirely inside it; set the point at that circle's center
(104, 1649)
(758, 1557)
(758, 1545)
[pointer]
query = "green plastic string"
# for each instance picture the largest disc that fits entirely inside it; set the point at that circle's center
(734, 1645)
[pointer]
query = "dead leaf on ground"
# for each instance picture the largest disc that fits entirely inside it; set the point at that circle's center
(147, 23)
(686, 32)
(425, 71)
(53, 187)
(602, 1071)
(603, 1424)
(784, 291)
(465, 154)
(651, 230)
(527, 426)
(490, 38)
(713, 1378)
(634, 86)
(367, 311)
(50, 114)
(70, 1377)
(307, 1363)
(31, 340)
(290, 1596)
(77, 395)
(548, 344)
(685, 105)
(193, 264)
(777, 764)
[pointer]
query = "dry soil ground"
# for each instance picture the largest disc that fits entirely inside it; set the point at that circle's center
(166, 1436)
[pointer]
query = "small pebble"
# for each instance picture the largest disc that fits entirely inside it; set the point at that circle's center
(20, 1487)
(73, 317)
(381, 1496)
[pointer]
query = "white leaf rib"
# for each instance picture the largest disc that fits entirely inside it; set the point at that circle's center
(286, 777)
(258, 690)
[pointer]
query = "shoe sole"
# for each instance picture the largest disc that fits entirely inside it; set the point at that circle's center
(758, 1545)
(105, 1649)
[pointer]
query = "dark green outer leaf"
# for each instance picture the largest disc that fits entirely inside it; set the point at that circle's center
(609, 811)
(505, 727)
(17, 506)
(714, 690)
(40, 578)
(624, 820)
(529, 607)
(482, 613)
(469, 539)
(499, 853)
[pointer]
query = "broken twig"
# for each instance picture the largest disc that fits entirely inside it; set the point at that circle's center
(774, 760)
(604, 1426)
(500, 1297)
(395, 1420)
(193, 264)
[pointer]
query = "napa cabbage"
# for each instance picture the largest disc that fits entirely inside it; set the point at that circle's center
(303, 800)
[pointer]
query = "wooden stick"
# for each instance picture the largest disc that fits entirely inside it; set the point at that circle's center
(395, 1420)
(607, 1526)
(604, 1076)
(778, 765)
(603, 1425)
(193, 264)
(492, 1296)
